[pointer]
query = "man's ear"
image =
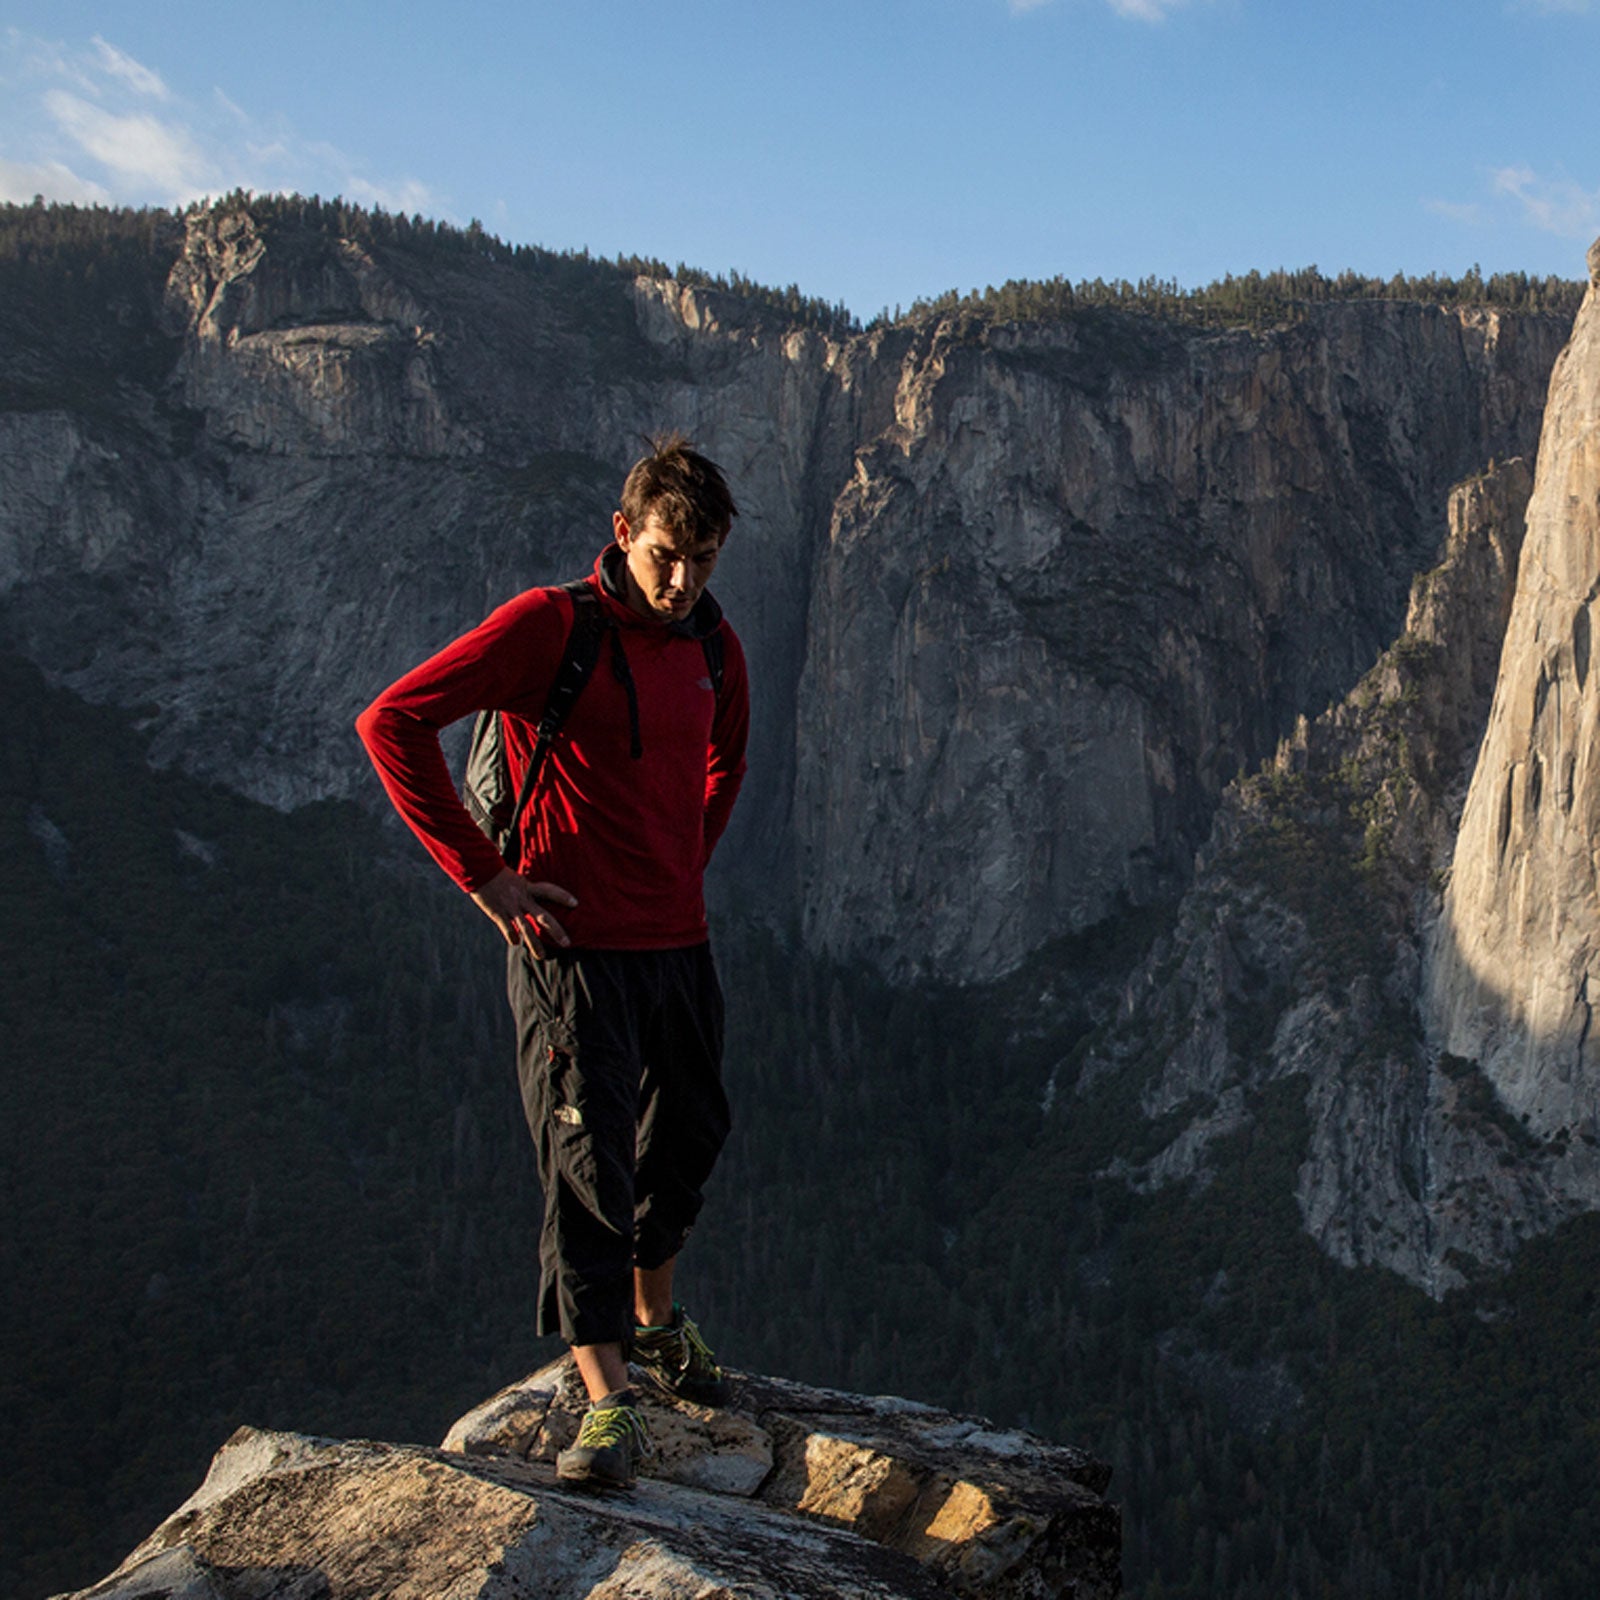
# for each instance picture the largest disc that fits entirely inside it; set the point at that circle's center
(620, 530)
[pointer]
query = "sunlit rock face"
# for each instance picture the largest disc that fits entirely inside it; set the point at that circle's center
(1514, 968)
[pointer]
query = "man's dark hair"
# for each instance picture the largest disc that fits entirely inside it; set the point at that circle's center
(683, 490)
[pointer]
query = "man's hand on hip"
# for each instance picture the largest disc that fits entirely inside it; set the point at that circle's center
(520, 909)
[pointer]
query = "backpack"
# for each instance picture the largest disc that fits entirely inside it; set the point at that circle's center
(486, 782)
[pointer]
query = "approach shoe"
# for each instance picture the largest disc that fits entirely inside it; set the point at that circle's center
(612, 1442)
(676, 1359)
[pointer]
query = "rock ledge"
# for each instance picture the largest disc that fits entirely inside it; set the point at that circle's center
(789, 1491)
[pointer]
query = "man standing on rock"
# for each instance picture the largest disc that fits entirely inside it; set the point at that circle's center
(617, 1006)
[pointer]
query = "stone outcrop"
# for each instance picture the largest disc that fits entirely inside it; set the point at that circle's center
(323, 353)
(1019, 600)
(791, 1492)
(1514, 967)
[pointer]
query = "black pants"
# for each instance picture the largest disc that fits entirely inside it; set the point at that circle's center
(619, 1053)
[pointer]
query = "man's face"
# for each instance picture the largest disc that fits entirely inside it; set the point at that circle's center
(665, 572)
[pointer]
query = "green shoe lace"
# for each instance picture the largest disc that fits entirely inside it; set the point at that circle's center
(604, 1426)
(698, 1361)
(680, 1349)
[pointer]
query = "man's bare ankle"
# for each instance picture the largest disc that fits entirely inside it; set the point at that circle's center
(602, 1369)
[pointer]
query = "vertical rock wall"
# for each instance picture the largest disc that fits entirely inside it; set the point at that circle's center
(1088, 573)
(1514, 966)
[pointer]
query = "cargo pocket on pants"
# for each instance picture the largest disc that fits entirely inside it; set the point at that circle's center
(570, 1139)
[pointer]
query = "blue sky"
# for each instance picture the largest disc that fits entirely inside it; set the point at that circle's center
(873, 152)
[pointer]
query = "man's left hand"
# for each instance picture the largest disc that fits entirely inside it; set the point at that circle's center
(517, 907)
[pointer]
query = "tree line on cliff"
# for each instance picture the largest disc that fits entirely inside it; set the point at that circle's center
(80, 244)
(1253, 299)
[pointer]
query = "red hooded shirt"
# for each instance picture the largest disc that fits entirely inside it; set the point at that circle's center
(628, 835)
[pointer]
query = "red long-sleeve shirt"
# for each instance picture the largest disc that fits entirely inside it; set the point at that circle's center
(628, 836)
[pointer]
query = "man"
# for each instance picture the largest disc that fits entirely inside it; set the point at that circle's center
(617, 1006)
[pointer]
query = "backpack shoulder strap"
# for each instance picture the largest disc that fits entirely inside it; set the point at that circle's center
(577, 661)
(584, 638)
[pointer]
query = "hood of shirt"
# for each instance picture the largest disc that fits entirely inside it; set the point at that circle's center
(610, 569)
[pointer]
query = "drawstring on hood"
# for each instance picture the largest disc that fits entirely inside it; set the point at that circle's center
(701, 622)
(624, 676)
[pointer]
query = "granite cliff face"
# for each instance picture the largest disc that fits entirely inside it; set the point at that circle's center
(1020, 600)
(1514, 964)
(1088, 574)
(349, 461)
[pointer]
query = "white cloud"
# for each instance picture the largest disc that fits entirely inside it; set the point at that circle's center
(234, 110)
(20, 181)
(263, 155)
(409, 196)
(134, 73)
(89, 123)
(34, 61)
(1140, 10)
(150, 154)
(1557, 205)
(1469, 213)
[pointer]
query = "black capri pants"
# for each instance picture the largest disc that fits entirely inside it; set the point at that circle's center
(619, 1056)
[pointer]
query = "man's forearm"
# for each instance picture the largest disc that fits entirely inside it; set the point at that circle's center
(410, 764)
